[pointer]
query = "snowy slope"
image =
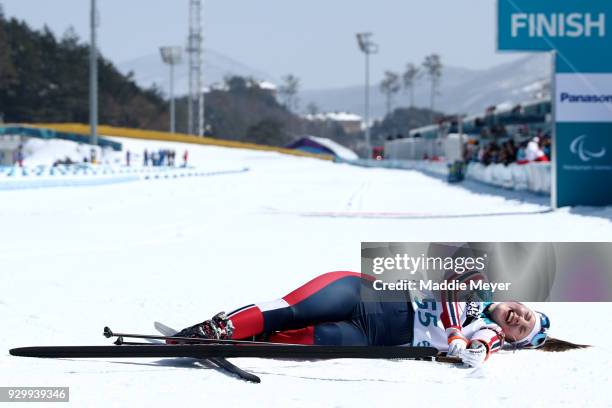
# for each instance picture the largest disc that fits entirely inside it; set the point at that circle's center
(46, 152)
(76, 259)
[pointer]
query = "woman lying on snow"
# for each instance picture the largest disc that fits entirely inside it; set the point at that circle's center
(329, 310)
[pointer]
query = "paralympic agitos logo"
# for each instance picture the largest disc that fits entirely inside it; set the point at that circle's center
(578, 147)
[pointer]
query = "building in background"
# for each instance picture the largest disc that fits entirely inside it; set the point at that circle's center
(268, 87)
(350, 122)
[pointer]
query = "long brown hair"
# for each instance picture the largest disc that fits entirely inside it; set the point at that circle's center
(556, 345)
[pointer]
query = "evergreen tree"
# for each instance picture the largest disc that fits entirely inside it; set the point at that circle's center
(288, 90)
(389, 86)
(267, 132)
(433, 69)
(43, 79)
(400, 122)
(410, 77)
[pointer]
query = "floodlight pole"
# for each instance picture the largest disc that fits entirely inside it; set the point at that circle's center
(196, 69)
(93, 78)
(367, 102)
(171, 56)
(460, 130)
(172, 107)
(367, 46)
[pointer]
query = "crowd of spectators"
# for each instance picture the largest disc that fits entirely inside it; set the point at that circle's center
(162, 157)
(535, 149)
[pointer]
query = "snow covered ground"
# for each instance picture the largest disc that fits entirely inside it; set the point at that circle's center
(42, 168)
(76, 259)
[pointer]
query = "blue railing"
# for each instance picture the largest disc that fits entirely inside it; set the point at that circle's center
(42, 133)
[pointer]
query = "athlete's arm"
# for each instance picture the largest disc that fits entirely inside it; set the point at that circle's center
(490, 337)
(452, 312)
(450, 317)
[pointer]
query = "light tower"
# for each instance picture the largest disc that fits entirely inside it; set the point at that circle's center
(93, 76)
(195, 51)
(367, 46)
(172, 56)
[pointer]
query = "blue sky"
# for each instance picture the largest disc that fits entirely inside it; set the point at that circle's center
(314, 39)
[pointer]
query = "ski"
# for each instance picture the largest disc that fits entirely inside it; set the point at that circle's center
(221, 363)
(168, 331)
(216, 351)
(227, 351)
(231, 368)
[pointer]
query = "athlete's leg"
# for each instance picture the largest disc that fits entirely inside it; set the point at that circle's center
(331, 297)
(345, 333)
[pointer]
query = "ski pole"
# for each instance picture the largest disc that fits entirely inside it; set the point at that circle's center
(108, 333)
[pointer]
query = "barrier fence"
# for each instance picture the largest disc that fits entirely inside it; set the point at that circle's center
(20, 178)
(534, 177)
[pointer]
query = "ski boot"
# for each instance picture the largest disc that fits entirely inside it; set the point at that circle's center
(217, 328)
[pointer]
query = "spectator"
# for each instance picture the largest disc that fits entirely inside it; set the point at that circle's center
(475, 151)
(481, 155)
(185, 158)
(494, 151)
(507, 153)
(162, 157)
(547, 146)
(127, 158)
(153, 158)
(534, 152)
(145, 156)
(18, 156)
(521, 154)
(468, 151)
(511, 147)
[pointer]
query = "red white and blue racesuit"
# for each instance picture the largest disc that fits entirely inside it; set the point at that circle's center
(331, 309)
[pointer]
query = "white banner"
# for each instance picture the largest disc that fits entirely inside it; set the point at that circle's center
(583, 97)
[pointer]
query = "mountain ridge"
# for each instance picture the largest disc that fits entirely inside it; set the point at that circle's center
(149, 70)
(462, 90)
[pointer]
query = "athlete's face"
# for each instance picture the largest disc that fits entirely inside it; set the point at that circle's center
(514, 318)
